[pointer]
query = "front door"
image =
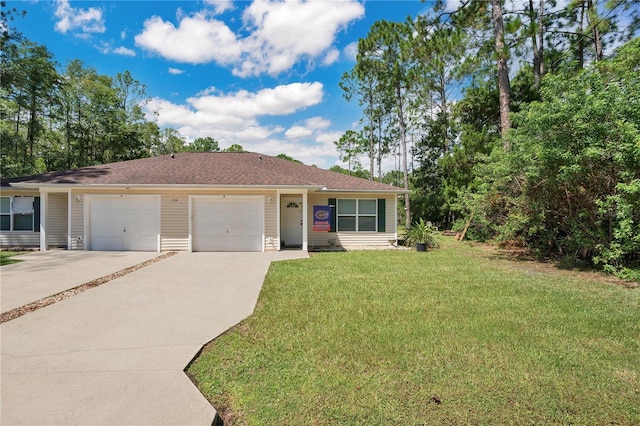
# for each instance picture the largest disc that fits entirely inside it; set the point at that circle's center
(291, 221)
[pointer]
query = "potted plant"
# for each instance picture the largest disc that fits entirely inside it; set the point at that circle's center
(420, 235)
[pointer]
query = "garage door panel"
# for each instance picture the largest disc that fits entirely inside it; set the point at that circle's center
(142, 225)
(124, 223)
(104, 223)
(229, 224)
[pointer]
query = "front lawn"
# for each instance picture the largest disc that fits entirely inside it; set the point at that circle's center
(6, 257)
(457, 335)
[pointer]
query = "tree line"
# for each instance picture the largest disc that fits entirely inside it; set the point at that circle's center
(60, 118)
(509, 114)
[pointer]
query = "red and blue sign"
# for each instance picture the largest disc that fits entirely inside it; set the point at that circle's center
(321, 218)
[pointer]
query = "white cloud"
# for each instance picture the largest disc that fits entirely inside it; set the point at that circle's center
(452, 5)
(124, 51)
(282, 100)
(71, 18)
(175, 71)
(311, 127)
(197, 40)
(298, 132)
(328, 138)
(235, 117)
(220, 6)
(285, 32)
(107, 49)
(317, 123)
(279, 34)
(332, 56)
(351, 51)
(236, 111)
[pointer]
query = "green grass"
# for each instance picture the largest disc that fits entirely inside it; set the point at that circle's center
(453, 336)
(6, 257)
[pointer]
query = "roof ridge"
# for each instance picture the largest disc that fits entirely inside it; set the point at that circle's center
(300, 181)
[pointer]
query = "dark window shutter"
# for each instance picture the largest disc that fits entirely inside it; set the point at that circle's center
(382, 219)
(332, 217)
(36, 214)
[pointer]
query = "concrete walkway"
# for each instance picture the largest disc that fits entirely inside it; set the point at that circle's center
(115, 354)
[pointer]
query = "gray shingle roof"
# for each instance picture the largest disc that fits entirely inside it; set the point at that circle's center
(205, 169)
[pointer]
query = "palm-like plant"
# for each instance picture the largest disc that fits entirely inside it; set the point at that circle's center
(421, 233)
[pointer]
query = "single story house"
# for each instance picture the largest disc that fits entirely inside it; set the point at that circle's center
(215, 201)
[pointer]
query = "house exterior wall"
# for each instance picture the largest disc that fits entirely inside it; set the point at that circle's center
(271, 220)
(19, 239)
(174, 213)
(77, 220)
(174, 221)
(354, 239)
(23, 239)
(57, 220)
(66, 218)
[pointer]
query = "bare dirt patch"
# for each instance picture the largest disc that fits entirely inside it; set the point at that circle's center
(521, 259)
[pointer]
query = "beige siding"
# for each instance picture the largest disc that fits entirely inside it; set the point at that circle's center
(77, 221)
(174, 214)
(56, 223)
(174, 218)
(354, 239)
(174, 222)
(19, 239)
(57, 220)
(271, 221)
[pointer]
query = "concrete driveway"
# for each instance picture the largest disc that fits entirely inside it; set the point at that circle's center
(42, 274)
(115, 354)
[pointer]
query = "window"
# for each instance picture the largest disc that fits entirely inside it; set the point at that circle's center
(5, 213)
(357, 215)
(18, 213)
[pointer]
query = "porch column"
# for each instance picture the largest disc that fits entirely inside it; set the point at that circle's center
(305, 230)
(278, 213)
(69, 246)
(44, 201)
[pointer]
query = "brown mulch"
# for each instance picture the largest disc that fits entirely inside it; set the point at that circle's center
(50, 300)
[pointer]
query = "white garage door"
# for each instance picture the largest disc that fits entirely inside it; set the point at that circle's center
(227, 224)
(124, 223)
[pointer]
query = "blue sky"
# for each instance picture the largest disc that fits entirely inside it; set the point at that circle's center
(260, 74)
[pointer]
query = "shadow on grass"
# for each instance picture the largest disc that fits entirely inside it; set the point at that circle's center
(527, 260)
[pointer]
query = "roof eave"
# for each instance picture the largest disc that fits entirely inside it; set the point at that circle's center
(316, 188)
(34, 185)
(368, 191)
